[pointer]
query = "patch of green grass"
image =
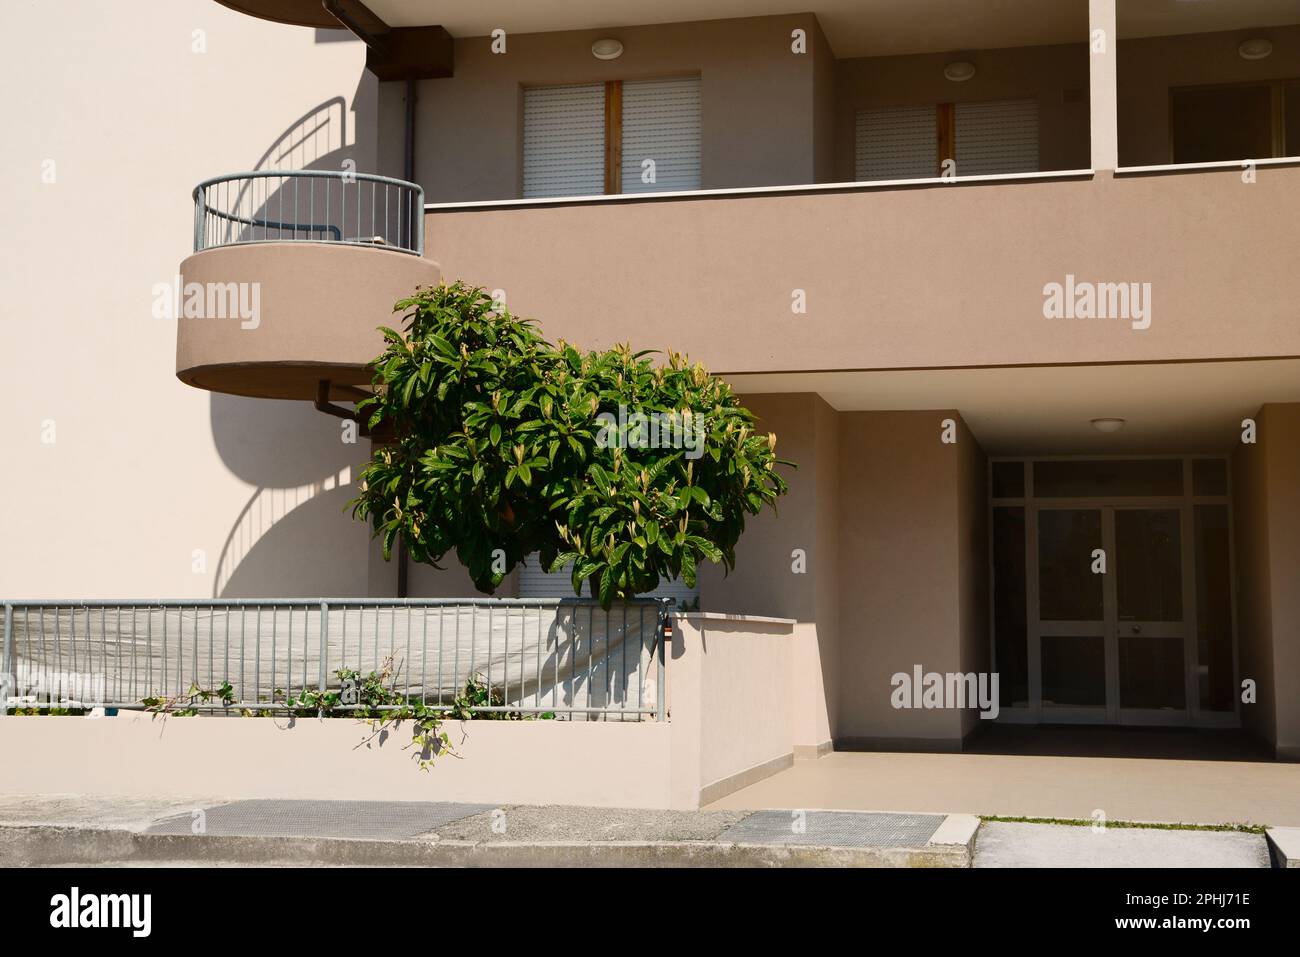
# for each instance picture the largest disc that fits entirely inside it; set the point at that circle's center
(1077, 822)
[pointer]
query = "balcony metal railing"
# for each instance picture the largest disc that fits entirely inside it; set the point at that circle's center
(309, 206)
(566, 657)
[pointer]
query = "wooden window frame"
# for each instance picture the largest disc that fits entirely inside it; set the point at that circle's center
(945, 118)
(613, 137)
(613, 183)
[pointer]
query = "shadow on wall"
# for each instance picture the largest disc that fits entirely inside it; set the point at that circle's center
(313, 549)
(293, 537)
(334, 36)
(311, 139)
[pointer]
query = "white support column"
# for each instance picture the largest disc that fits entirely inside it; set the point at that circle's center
(1102, 46)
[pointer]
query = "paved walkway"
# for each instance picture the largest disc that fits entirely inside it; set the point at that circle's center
(1055, 786)
(1002, 844)
(72, 830)
(87, 831)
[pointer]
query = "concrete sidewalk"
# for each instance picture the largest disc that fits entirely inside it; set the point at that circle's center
(50, 831)
(1004, 844)
(81, 831)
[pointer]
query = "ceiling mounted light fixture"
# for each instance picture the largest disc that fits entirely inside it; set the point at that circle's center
(1108, 425)
(1256, 48)
(959, 72)
(607, 48)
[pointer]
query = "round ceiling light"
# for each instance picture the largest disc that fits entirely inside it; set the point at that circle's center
(1108, 425)
(959, 72)
(1254, 49)
(607, 49)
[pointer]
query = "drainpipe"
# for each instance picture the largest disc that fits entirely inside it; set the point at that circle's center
(323, 404)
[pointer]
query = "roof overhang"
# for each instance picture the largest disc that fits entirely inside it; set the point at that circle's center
(1012, 410)
(854, 28)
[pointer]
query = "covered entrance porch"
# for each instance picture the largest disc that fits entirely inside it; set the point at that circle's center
(978, 521)
(1111, 598)
(1019, 777)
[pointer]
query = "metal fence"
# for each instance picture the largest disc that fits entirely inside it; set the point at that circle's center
(568, 657)
(309, 206)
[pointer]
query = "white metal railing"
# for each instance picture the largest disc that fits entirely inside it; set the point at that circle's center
(568, 657)
(309, 206)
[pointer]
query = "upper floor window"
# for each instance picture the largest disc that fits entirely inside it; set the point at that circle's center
(1235, 122)
(623, 136)
(912, 142)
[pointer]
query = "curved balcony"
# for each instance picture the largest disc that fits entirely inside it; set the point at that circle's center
(292, 274)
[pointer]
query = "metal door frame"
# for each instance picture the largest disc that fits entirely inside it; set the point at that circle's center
(1190, 716)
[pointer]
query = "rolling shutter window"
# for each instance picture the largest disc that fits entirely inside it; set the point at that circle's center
(896, 143)
(996, 137)
(536, 583)
(564, 140)
(661, 122)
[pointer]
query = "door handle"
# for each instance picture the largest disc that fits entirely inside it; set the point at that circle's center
(1137, 629)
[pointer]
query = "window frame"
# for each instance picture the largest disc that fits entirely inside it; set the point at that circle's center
(613, 152)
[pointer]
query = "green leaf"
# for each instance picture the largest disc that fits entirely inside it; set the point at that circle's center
(688, 568)
(476, 407)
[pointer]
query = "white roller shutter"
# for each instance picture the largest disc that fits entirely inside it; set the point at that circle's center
(661, 122)
(899, 142)
(534, 582)
(564, 140)
(996, 137)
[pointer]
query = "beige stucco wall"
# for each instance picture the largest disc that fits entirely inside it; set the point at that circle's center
(588, 763)
(973, 580)
(1253, 583)
(909, 561)
(1266, 509)
(727, 695)
(1056, 76)
(729, 704)
(884, 288)
(758, 115)
(1149, 67)
(769, 579)
(145, 471)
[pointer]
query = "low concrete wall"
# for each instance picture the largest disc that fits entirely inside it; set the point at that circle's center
(730, 724)
(730, 703)
(603, 764)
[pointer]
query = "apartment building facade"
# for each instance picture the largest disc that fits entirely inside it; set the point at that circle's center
(1014, 284)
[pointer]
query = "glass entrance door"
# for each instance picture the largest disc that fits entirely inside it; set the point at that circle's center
(1111, 631)
(1111, 588)
(1073, 621)
(1150, 626)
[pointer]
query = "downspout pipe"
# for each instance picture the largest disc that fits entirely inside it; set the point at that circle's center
(323, 404)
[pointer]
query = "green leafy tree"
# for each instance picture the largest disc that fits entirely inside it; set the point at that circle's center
(504, 446)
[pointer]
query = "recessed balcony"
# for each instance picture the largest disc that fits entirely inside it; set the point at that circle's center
(292, 274)
(914, 275)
